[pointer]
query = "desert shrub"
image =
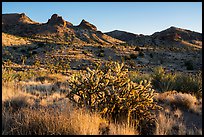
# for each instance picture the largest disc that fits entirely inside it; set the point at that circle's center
(16, 103)
(101, 54)
(41, 44)
(189, 83)
(55, 64)
(124, 44)
(162, 81)
(23, 51)
(109, 91)
(151, 55)
(14, 48)
(189, 65)
(126, 57)
(100, 47)
(33, 52)
(8, 75)
(101, 50)
(180, 100)
(141, 54)
(137, 49)
(133, 56)
(137, 76)
(85, 52)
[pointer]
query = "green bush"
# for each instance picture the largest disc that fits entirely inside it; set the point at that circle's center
(101, 54)
(133, 56)
(189, 83)
(109, 91)
(137, 76)
(12, 75)
(54, 64)
(162, 81)
(189, 65)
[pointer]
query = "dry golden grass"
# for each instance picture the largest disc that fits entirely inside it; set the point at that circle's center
(172, 123)
(122, 129)
(169, 125)
(53, 121)
(182, 100)
(24, 113)
(53, 115)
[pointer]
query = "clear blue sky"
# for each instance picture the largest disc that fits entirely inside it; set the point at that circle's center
(137, 17)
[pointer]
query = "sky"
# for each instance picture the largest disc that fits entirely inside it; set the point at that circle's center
(136, 17)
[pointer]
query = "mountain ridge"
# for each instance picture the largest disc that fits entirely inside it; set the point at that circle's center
(170, 36)
(55, 28)
(58, 29)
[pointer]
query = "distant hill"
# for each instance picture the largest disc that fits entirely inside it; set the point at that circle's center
(59, 30)
(169, 37)
(56, 28)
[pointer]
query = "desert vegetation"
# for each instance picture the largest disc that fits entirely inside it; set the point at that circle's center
(88, 83)
(103, 100)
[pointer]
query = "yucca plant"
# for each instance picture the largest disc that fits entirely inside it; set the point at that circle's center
(109, 91)
(162, 81)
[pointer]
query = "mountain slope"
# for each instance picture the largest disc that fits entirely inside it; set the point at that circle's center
(169, 37)
(56, 29)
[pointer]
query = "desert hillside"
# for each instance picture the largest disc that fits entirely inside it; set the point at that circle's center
(62, 79)
(56, 28)
(172, 37)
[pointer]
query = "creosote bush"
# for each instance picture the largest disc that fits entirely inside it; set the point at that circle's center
(109, 91)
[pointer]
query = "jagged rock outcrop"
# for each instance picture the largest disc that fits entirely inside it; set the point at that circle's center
(86, 25)
(58, 20)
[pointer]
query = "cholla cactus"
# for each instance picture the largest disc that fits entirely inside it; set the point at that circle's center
(109, 91)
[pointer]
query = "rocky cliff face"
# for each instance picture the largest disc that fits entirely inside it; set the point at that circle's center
(58, 20)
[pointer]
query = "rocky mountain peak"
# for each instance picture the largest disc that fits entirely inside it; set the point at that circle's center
(16, 18)
(86, 25)
(56, 20)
